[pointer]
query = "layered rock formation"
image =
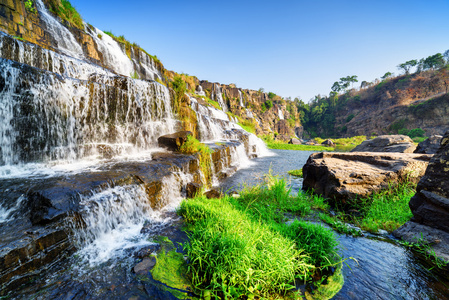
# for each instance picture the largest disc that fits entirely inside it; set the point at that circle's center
(430, 205)
(343, 176)
(387, 143)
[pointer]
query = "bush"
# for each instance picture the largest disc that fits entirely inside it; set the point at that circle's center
(349, 118)
(417, 132)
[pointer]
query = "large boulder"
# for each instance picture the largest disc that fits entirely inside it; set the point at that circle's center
(387, 143)
(328, 143)
(429, 146)
(343, 176)
(173, 141)
(294, 141)
(430, 205)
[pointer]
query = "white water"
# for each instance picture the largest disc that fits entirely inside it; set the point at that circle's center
(241, 98)
(65, 39)
(7, 214)
(281, 115)
(64, 118)
(113, 55)
(114, 218)
(200, 91)
(219, 97)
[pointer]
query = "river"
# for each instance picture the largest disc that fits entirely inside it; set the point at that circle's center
(376, 268)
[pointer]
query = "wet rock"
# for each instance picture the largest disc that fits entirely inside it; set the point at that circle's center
(294, 141)
(146, 251)
(299, 131)
(429, 146)
(328, 143)
(145, 265)
(342, 176)
(213, 193)
(437, 239)
(192, 189)
(173, 141)
(387, 143)
(430, 205)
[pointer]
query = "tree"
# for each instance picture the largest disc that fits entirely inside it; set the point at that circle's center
(346, 81)
(433, 62)
(446, 56)
(336, 87)
(365, 84)
(387, 75)
(408, 65)
(271, 95)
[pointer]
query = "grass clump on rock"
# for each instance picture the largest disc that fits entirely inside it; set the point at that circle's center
(242, 247)
(193, 146)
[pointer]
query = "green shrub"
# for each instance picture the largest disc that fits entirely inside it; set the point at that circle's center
(297, 173)
(417, 132)
(193, 146)
(349, 118)
(65, 10)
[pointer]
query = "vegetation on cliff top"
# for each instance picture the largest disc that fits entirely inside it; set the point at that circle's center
(65, 10)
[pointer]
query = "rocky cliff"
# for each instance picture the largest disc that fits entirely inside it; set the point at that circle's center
(40, 25)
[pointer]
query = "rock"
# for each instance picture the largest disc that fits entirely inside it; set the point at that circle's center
(429, 146)
(430, 205)
(343, 176)
(299, 131)
(192, 189)
(294, 141)
(145, 265)
(438, 240)
(213, 193)
(328, 143)
(387, 143)
(173, 141)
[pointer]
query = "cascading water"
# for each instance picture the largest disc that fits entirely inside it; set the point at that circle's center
(219, 97)
(281, 115)
(241, 99)
(65, 40)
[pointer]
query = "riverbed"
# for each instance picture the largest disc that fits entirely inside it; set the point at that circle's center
(375, 267)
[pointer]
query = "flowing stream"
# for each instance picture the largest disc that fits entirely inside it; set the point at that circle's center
(380, 268)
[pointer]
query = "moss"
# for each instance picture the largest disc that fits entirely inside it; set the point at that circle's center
(297, 173)
(193, 146)
(330, 288)
(189, 120)
(65, 10)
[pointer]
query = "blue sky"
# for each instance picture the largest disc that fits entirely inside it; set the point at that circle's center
(291, 48)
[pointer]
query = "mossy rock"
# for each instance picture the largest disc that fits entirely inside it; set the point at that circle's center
(330, 289)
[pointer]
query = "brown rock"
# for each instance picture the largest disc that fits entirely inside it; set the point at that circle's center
(387, 143)
(429, 146)
(430, 205)
(145, 265)
(212, 194)
(328, 143)
(295, 142)
(192, 189)
(342, 176)
(173, 141)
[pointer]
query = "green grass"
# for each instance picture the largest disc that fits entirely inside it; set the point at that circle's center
(67, 12)
(285, 146)
(387, 210)
(297, 173)
(345, 144)
(242, 247)
(193, 146)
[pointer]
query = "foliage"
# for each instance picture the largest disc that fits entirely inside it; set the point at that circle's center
(193, 146)
(276, 144)
(268, 104)
(179, 86)
(417, 132)
(242, 246)
(65, 10)
(339, 226)
(297, 173)
(408, 65)
(271, 95)
(386, 209)
(248, 125)
(349, 118)
(29, 5)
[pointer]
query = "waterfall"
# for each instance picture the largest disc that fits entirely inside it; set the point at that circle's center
(65, 40)
(241, 98)
(219, 97)
(48, 117)
(113, 218)
(281, 115)
(200, 91)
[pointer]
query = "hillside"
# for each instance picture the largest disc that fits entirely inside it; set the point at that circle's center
(393, 105)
